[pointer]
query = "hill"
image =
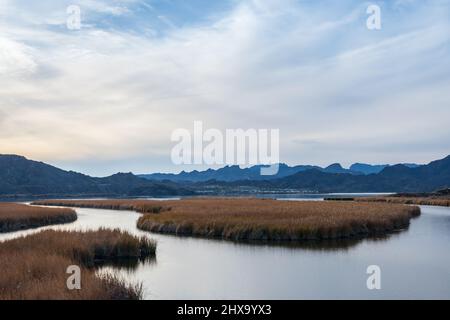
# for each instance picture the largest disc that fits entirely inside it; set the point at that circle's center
(27, 178)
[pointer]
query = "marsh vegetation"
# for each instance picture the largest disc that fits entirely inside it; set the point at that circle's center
(261, 219)
(34, 267)
(423, 201)
(15, 216)
(141, 206)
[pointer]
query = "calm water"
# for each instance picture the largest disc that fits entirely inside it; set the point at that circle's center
(415, 263)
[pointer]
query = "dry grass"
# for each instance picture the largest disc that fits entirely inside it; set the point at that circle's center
(258, 219)
(423, 201)
(142, 206)
(35, 267)
(15, 216)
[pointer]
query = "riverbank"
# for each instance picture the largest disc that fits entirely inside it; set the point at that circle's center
(15, 216)
(252, 219)
(423, 201)
(34, 267)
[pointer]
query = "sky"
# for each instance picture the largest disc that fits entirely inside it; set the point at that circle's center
(107, 97)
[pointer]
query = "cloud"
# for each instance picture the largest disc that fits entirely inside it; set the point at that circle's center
(105, 7)
(114, 94)
(15, 58)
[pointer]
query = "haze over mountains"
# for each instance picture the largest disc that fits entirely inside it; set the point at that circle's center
(20, 177)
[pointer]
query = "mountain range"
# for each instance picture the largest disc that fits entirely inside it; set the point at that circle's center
(398, 178)
(235, 173)
(21, 177)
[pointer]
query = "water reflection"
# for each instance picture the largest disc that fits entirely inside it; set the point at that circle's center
(126, 264)
(317, 245)
(342, 244)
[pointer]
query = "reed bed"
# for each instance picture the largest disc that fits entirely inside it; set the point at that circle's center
(15, 216)
(34, 267)
(141, 206)
(262, 219)
(423, 201)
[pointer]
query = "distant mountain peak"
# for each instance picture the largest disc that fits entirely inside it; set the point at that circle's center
(123, 174)
(368, 168)
(12, 156)
(335, 166)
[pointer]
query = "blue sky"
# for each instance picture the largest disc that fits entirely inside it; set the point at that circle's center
(107, 97)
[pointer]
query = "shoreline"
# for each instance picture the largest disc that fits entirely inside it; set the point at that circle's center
(437, 202)
(17, 217)
(261, 220)
(39, 263)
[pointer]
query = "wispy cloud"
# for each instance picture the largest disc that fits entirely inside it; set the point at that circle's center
(113, 92)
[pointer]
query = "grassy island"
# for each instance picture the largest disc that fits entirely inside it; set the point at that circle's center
(15, 216)
(34, 267)
(422, 201)
(261, 219)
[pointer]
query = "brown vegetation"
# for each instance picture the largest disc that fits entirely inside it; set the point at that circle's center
(35, 267)
(424, 201)
(15, 216)
(258, 219)
(142, 206)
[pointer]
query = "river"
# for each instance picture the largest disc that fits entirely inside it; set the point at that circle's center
(415, 263)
